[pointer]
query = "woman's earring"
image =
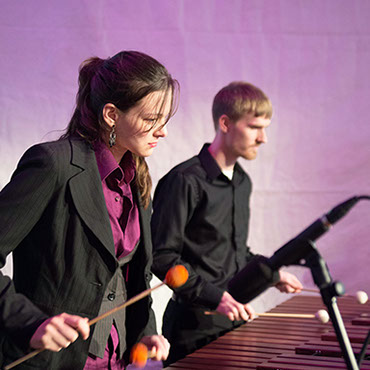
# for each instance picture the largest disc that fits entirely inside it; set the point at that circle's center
(112, 136)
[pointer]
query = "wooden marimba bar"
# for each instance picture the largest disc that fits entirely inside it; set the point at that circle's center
(270, 343)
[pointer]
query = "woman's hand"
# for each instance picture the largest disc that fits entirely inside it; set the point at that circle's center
(59, 332)
(158, 346)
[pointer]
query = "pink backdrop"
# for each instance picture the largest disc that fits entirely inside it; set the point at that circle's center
(311, 57)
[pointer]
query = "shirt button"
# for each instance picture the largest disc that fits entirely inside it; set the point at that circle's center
(116, 199)
(111, 296)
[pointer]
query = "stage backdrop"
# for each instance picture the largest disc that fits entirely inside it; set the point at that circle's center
(311, 57)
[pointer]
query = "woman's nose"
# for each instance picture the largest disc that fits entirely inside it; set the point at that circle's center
(161, 132)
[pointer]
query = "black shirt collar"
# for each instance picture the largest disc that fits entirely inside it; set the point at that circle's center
(213, 170)
(208, 163)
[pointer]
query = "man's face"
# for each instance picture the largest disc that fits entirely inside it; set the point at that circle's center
(245, 136)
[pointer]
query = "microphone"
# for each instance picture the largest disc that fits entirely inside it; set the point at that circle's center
(261, 273)
(294, 250)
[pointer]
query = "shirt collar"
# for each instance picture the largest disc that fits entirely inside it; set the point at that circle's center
(211, 167)
(107, 164)
(208, 163)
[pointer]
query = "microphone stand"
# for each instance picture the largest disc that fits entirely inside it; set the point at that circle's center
(362, 354)
(302, 251)
(329, 291)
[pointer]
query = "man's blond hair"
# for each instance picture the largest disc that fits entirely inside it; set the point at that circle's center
(239, 98)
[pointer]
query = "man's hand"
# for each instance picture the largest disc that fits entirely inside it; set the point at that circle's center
(235, 310)
(59, 332)
(288, 283)
(158, 345)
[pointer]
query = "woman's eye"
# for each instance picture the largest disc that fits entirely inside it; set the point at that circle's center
(149, 123)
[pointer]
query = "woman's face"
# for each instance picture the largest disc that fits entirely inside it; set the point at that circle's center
(140, 128)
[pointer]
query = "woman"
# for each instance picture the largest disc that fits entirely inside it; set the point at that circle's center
(76, 217)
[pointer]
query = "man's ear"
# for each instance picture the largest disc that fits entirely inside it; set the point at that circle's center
(110, 114)
(224, 123)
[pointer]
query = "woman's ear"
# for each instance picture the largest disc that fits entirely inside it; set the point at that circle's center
(110, 114)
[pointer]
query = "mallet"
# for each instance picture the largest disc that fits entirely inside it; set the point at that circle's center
(175, 277)
(360, 295)
(320, 315)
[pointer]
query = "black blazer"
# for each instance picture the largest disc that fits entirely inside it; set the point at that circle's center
(54, 219)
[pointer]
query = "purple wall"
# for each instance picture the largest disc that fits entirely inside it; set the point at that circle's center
(311, 57)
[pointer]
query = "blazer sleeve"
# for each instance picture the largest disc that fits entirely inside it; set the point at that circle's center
(22, 202)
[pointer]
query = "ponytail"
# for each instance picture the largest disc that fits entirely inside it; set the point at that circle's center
(84, 114)
(122, 80)
(143, 180)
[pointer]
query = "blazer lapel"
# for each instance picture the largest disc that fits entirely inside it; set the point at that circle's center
(87, 194)
(144, 217)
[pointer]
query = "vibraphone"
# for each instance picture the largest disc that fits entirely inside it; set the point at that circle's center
(269, 343)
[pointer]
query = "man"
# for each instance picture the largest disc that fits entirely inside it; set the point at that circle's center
(200, 220)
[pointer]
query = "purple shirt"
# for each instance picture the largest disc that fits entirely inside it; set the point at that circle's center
(123, 212)
(124, 220)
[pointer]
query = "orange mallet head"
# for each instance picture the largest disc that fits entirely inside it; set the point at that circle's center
(139, 355)
(176, 276)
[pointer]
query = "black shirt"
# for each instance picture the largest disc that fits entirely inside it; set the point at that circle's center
(200, 219)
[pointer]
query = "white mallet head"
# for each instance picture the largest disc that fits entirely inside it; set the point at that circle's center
(322, 316)
(361, 297)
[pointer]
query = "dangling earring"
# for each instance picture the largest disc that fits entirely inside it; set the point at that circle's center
(112, 136)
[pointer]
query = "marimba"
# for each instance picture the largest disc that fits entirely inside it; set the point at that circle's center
(269, 343)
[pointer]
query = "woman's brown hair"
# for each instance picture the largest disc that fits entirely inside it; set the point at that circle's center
(122, 80)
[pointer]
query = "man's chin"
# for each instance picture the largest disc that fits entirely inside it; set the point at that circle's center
(250, 156)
